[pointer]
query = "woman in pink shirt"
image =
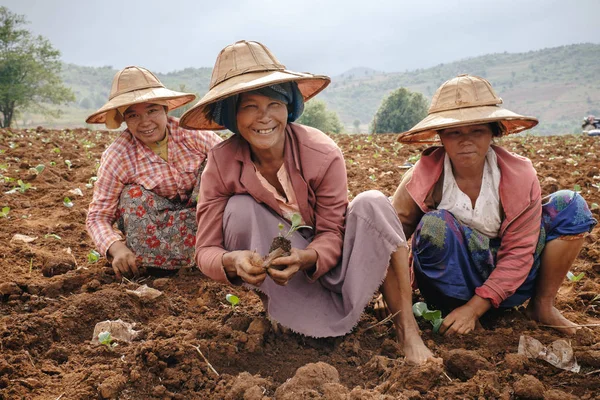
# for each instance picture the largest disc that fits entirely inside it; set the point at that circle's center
(272, 169)
(483, 236)
(147, 177)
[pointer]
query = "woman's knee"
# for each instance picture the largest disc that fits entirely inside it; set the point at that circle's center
(369, 203)
(432, 228)
(240, 213)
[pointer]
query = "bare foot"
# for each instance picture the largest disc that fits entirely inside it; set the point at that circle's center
(415, 351)
(550, 316)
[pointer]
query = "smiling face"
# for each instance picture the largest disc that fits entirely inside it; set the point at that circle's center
(467, 145)
(147, 122)
(261, 121)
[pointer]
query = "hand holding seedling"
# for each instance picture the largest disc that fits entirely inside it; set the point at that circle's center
(462, 320)
(123, 262)
(298, 260)
(246, 265)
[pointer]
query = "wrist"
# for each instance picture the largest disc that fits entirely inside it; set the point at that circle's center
(228, 265)
(479, 305)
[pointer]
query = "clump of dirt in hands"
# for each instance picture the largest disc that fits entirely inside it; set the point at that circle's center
(279, 242)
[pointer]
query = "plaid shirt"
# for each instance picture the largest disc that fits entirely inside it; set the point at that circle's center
(128, 161)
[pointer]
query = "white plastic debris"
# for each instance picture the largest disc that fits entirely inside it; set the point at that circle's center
(559, 353)
(145, 292)
(119, 330)
(22, 238)
(76, 192)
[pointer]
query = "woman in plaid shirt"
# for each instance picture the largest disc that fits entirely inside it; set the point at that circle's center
(148, 177)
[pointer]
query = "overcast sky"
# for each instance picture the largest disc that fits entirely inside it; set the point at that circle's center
(318, 36)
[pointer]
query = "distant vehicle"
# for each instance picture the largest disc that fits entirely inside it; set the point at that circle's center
(591, 126)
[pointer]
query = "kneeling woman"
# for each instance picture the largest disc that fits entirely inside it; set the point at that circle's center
(271, 169)
(147, 177)
(483, 236)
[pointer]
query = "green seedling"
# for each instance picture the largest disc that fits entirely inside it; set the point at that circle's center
(93, 256)
(69, 164)
(433, 316)
(52, 163)
(575, 278)
(594, 206)
(296, 220)
(577, 188)
(106, 339)
(232, 299)
(22, 188)
(4, 212)
(67, 202)
(4, 167)
(38, 169)
(91, 182)
(52, 235)
(56, 150)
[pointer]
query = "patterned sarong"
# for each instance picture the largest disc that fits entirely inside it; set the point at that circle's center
(160, 232)
(451, 260)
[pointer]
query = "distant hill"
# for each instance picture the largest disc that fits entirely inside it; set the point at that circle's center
(558, 85)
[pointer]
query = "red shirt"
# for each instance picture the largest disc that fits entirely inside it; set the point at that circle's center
(129, 161)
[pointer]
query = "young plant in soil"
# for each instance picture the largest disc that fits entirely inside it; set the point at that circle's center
(434, 316)
(106, 339)
(232, 299)
(4, 212)
(281, 244)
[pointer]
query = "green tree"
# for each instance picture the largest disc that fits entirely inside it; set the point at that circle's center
(399, 111)
(29, 71)
(316, 115)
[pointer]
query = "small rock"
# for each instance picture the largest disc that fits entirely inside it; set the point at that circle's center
(111, 386)
(529, 387)
(160, 283)
(91, 286)
(307, 382)
(464, 364)
(516, 363)
(9, 288)
(259, 326)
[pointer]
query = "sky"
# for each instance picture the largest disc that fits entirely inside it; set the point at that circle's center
(319, 36)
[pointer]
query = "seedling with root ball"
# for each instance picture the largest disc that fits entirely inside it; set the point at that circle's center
(281, 244)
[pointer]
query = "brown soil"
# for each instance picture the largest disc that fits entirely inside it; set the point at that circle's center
(51, 297)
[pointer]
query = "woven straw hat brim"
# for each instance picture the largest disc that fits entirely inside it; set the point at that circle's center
(196, 117)
(426, 130)
(174, 100)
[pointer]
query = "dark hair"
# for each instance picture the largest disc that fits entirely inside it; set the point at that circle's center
(497, 129)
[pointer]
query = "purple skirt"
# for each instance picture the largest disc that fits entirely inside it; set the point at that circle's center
(333, 304)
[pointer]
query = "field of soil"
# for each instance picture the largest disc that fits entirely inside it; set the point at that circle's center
(193, 345)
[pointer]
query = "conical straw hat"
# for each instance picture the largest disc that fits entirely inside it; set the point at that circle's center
(242, 67)
(465, 100)
(133, 85)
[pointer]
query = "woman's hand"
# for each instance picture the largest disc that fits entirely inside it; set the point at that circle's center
(123, 262)
(246, 265)
(298, 260)
(463, 319)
